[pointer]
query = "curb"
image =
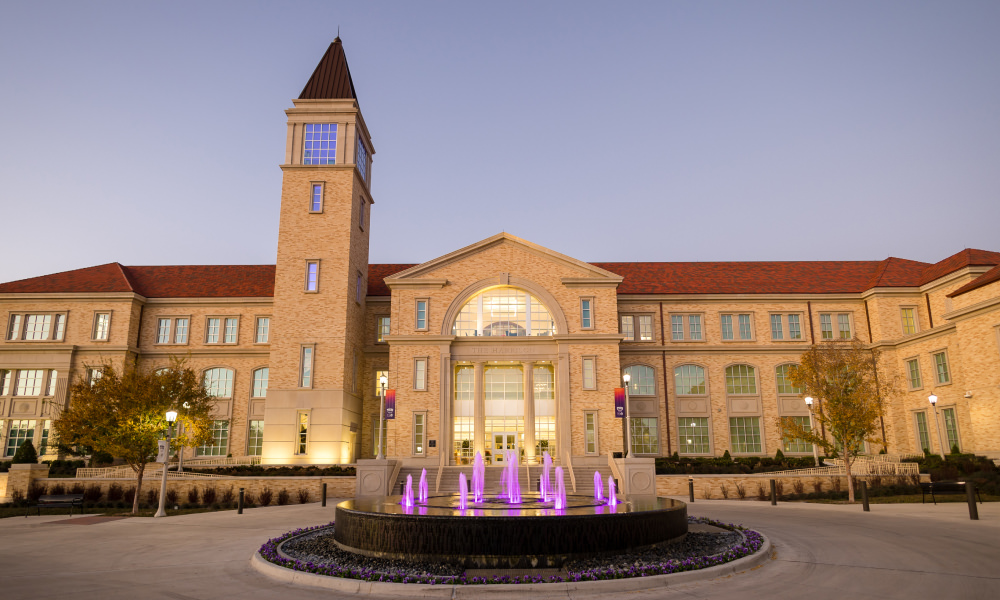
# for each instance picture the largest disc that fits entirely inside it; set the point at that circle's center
(501, 590)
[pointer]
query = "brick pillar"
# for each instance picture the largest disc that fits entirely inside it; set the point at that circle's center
(20, 477)
(529, 412)
(479, 411)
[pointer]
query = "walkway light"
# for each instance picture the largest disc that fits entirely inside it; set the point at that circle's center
(171, 417)
(809, 403)
(937, 422)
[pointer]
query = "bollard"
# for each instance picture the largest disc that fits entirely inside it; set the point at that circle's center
(691, 489)
(324, 494)
(864, 496)
(970, 495)
(239, 510)
(774, 495)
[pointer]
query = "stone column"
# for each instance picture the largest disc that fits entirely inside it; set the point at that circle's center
(529, 411)
(479, 410)
(447, 422)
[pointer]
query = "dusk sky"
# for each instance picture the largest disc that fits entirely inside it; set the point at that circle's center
(151, 133)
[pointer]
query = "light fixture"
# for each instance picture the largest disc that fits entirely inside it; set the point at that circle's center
(694, 424)
(171, 416)
(809, 401)
(627, 377)
(383, 380)
(932, 399)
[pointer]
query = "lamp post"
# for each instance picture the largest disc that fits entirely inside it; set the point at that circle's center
(180, 451)
(937, 423)
(171, 417)
(382, 382)
(628, 421)
(809, 403)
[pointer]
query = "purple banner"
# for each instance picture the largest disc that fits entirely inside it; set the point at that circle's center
(390, 404)
(619, 403)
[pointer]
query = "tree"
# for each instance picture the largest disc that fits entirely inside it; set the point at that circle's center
(25, 454)
(123, 413)
(851, 389)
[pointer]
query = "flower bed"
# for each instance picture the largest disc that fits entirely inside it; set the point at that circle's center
(750, 542)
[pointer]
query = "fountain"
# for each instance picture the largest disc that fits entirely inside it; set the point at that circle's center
(598, 487)
(422, 489)
(546, 490)
(463, 492)
(507, 530)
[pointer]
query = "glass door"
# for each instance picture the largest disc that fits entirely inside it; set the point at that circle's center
(501, 442)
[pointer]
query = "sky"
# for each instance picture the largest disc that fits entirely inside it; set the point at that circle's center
(151, 133)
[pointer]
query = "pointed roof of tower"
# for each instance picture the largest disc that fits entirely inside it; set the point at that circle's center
(332, 77)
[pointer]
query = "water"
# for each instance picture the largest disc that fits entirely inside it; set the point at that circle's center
(408, 493)
(478, 478)
(422, 490)
(598, 486)
(510, 478)
(612, 498)
(560, 490)
(463, 491)
(546, 489)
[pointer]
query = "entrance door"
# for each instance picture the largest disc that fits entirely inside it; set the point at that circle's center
(501, 442)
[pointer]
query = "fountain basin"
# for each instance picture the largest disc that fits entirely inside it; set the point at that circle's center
(498, 534)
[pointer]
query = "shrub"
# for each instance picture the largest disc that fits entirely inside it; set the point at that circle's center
(58, 489)
(227, 496)
(93, 493)
(35, 491)
(76, 489)
(955, 450)
(283, 497)
(726, 456)
(250, 500)
(818, 487)
(265, 496)
(114, 492)
(153, 497)
(706, 492)
(725, 491)
(17, 497)
(836, 484)
(761, 492)
(799, 486)
(779, 455)
(25, 454)
(129, 496)
(193, 495)
(303, 496)
(208, 496)
(741, 492)
(64, 468)
(172, 497)
(779, 488)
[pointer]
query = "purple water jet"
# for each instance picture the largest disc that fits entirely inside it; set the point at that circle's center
(560, 490)
(478, 478)
(546, 489)
(598, 486)
(463, 491)
(408, 492)
(612, 497)
(422, 489)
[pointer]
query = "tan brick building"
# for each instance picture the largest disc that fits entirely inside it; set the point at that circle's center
(500, 345)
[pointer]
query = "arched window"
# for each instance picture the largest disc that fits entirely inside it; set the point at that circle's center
(219, 382)
(642, 381)
(689, 380)
(260, 383)
(785, 386)
(741, 379)
(504, 312)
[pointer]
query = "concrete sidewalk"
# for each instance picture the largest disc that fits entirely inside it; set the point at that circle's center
(823, 551)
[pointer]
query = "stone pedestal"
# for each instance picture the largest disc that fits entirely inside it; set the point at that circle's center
(373, 477)
(20, 478)
(638, 476)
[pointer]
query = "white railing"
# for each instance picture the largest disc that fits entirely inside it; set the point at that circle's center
(861, 466)
(126, 472)
(222, 461)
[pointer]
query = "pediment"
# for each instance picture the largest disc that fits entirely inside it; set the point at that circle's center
(576, 272)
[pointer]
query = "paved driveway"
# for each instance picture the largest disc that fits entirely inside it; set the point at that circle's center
(822, 551)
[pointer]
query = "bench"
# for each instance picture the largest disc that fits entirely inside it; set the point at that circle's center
(943, 488)
(58, 501)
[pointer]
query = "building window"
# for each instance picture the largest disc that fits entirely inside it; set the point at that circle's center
(316, 198)
(504, 312)
(785, 386)
(231, 334)
(361, 213)
(320, 144)
(420, 318)
(589, 373)
(744, 327)
(94, 375)
(941, 368)
(312, 275)
(797, 445)
(923, 437)
(43, 447)
(302, 435)
(262, 334)
(645, 436)
(180, 331)
(53, 380)
(219, 330)
(219, 444)
(913, 372)
(21, 430)
(843, 326)
(786, 327)
(637, 328)
(361, 158)
(693, 435)
(354, 373)
(689, 380)
(381, 329)
(358, 286)
(163, 331)
(951, 428)
(587, 313)
(29, 382)
(219, 382)
(306, 367)
(744, 435)
(5, 378)
(102, 326)
(259, 389)
(741, 379)
(420, 374)
(36, 328)
(255, 438)
(590, 432)
(378, 382)
(642, 380)
(909, 316)
(419, 433)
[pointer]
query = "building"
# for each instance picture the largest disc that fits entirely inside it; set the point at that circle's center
(503, 344)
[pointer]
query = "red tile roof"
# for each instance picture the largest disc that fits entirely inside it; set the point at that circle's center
(985, 279)
(819, 277)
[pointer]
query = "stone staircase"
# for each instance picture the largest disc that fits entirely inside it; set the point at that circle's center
(585, 479)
